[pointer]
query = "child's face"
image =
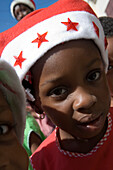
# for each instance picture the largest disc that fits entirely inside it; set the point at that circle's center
(110, 71)
(12, 154)
(21, 11)
(73, 89)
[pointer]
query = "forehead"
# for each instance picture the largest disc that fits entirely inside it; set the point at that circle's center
(5, 112)
(67, 54)
(79, 49)
(20, 6)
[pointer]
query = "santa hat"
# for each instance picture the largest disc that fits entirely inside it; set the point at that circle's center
(29, 3)
(13, 92)
(63, 21)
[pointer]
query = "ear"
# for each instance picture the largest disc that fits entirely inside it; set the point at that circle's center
(35, 103)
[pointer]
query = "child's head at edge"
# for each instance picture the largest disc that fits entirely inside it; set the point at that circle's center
(107, 23)
(15, 96)
(23, 7)
(12, 119)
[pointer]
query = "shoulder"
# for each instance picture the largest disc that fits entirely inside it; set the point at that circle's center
(46, 144)
(45, 151)
(111, 111)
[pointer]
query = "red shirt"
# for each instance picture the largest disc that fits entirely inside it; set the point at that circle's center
(49, 157)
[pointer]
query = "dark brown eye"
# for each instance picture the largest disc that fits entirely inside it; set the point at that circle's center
(93, 76)
(110, 67)
(4, 129)
(59, 91)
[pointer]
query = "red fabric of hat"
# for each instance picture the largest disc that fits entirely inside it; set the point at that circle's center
(32, 37)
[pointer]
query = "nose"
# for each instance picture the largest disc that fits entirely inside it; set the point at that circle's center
(20, 15)
(83, 99)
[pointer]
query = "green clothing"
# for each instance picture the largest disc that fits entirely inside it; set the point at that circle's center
(31, 126)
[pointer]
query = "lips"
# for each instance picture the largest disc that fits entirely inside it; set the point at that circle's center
(91, 122)
(88, 119)
(92, 125)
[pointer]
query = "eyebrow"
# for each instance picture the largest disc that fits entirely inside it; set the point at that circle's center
(94, 61)
(54, 80)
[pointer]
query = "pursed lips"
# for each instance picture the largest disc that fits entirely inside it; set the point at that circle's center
(88, 119)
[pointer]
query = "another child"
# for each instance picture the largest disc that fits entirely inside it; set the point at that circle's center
(33, 136)
(12, 120)
(64, 49)
(20, 8)
(107, 23)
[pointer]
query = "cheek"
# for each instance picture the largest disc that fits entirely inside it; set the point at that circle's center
(110, 76)
(110, 81)
(58, 116)
(51, 106)
(105, 96)
(9, 158)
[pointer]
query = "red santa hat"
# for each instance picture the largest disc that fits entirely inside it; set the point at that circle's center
(63, 21)
(29, 3)
(13, 91)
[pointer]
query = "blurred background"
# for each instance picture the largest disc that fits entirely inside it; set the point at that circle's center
(6, 19)
(101, 8)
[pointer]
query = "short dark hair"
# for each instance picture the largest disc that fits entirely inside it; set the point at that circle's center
(107, 24)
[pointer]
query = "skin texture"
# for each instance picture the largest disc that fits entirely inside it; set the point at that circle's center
(12, 154)
(110, 71)
(73, 91)
(21, 10)
(34, 141)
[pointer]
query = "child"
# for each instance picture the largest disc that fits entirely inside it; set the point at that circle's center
(20, 8)
(107, 23)
(63, 46)
(33, 136)
(12, 120)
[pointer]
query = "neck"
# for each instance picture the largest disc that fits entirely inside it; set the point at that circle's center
(75, 144)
